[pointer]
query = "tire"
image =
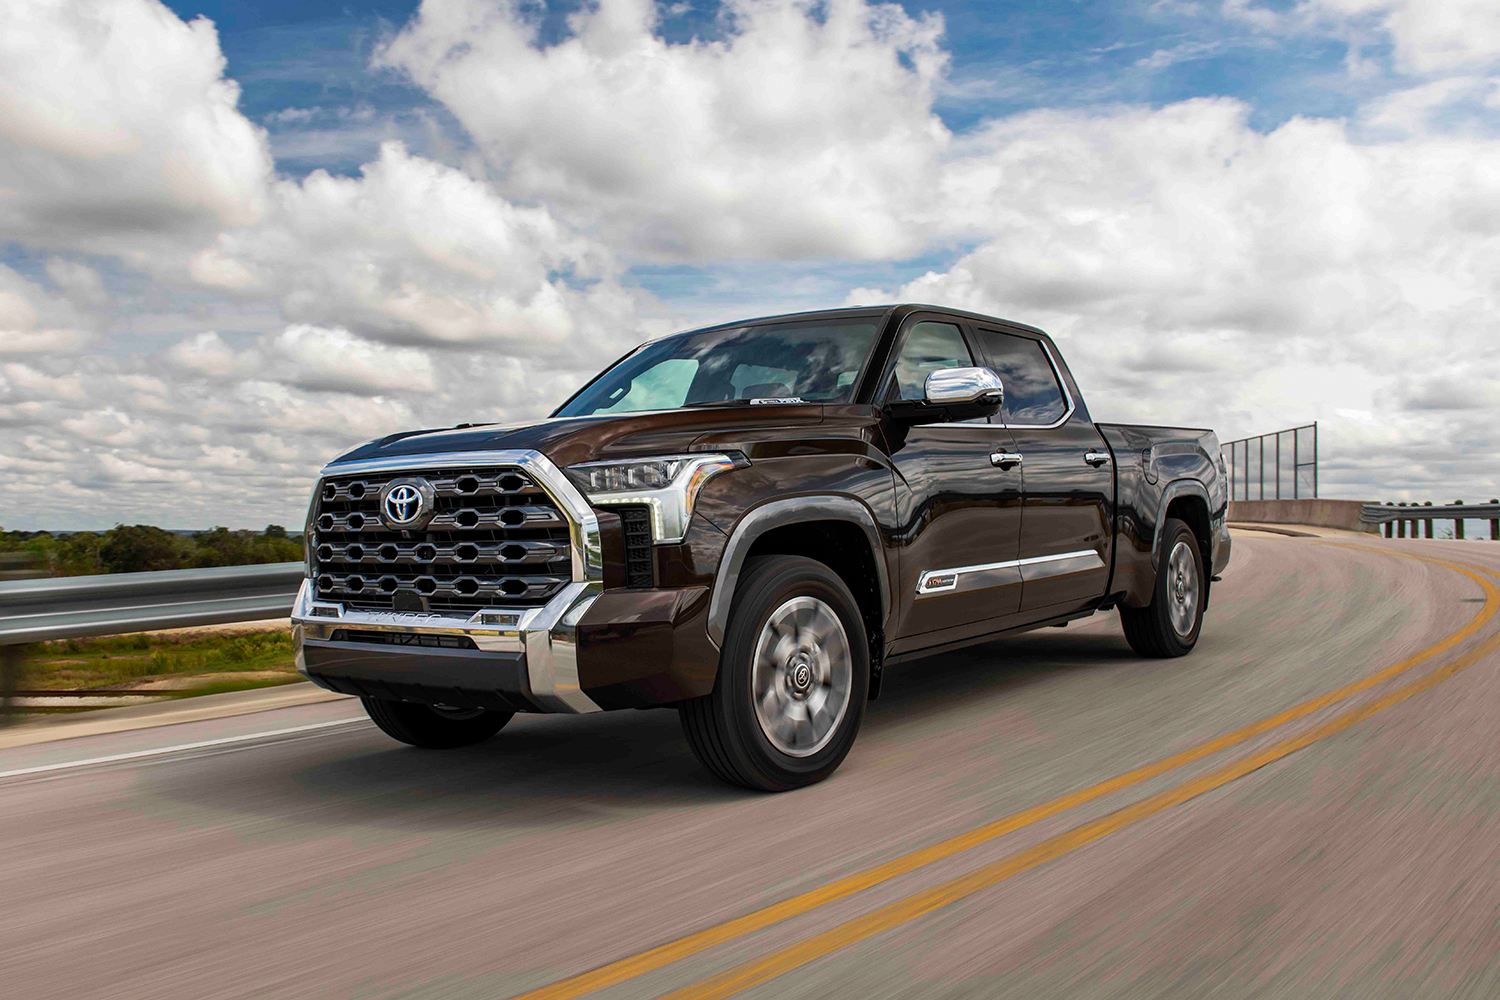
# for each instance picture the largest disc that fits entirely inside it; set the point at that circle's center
(434, 728)
(1170, 624)
(793, 677)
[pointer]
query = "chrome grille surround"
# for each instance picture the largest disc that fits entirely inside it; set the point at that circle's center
(489, 535)
(546, 634)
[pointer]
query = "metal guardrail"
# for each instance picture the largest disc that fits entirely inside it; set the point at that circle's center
(1458, 513)
(77, 606)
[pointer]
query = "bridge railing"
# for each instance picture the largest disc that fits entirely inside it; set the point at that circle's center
(1397, 517)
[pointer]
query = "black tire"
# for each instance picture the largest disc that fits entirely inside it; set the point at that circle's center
(724, 728)
(434, 728)
(1157, 629)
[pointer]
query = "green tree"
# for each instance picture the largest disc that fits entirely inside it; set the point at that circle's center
(222, 547)
(140, 548)
(78, 554)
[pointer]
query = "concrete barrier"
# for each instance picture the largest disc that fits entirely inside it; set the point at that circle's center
(1320, 512)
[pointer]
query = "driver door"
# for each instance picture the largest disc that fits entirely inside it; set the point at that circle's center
(959, 510)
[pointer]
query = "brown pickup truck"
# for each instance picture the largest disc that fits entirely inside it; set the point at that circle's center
(749, 523)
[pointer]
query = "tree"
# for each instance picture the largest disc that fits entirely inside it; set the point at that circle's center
(140, 548)
(222, 547)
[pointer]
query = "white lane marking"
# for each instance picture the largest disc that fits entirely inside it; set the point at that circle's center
(138, 754)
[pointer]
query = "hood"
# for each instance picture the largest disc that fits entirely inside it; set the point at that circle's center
(570, 440)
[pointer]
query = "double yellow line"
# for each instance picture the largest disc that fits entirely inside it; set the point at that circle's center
(769, 966)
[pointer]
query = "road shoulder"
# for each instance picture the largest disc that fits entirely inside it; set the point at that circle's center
(119, 720)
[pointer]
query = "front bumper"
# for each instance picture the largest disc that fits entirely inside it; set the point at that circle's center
(543, 640)
(586, 650)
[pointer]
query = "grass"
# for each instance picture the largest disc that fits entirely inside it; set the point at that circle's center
(127, 660)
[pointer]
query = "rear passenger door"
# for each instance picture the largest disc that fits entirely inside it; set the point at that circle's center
(1067, 477)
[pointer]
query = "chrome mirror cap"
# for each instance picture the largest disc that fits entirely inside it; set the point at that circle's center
(948, 386)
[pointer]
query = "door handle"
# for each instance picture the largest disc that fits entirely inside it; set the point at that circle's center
(1095, 458)
(1005, 459)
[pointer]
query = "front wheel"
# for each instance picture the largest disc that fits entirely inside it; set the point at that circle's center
(432, 727)
(1170, 624)
(793, 677)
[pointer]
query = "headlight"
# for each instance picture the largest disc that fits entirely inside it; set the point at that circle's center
(668, 486)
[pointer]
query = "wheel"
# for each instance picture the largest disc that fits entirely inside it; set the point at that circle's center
(793, 676)
(435, 728)
(1169, 625)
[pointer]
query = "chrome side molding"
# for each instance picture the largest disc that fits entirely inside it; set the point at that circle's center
(961, 579)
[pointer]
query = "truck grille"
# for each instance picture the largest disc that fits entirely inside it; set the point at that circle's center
(497, 539)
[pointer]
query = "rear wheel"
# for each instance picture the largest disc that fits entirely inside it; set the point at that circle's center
(793, 676)
(1170, 624)
(432, 727)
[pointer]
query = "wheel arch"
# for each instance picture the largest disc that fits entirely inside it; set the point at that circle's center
(1187, 501)
(838, 531)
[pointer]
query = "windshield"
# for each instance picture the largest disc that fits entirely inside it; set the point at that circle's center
(816, 361)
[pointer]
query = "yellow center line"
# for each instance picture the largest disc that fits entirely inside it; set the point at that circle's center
(635, 965)
(760, 970)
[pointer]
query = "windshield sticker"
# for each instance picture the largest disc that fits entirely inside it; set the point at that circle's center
(777, 399)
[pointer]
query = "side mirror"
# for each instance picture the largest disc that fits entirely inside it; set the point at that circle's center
(959, 386)
(953, 394)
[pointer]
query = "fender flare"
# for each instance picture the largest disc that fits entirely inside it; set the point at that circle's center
(1175, 489)
(777, 514)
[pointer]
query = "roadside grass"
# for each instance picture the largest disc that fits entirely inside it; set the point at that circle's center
(125, 661)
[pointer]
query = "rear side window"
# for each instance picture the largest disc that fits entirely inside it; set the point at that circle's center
(1032, 392)
(929, 347)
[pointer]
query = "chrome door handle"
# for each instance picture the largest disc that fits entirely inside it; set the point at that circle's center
(1005, 459)
(1095, 458)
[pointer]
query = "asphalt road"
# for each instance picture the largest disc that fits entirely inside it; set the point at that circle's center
(1043, 817)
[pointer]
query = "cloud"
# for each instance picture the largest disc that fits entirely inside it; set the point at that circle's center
(1199, 271)
(309, 357)
(32, 321)
(120, 136)
(413, 252)
(207, 354)
(118, 130)
(806, 130)
(1427, 36)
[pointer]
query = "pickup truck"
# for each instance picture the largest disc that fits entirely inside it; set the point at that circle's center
(749, 523)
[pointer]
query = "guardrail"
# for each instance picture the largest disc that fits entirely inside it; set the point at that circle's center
(1396, 517)
(76, 606)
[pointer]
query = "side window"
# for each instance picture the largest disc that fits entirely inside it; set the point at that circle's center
(1032, 394)
(663, 386)
(929, 346)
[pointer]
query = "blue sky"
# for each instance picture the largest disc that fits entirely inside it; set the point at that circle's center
(230, 248)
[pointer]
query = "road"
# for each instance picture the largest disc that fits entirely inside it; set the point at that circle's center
(1047, 816)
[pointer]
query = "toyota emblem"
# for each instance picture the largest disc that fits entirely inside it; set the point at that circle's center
(406, 503)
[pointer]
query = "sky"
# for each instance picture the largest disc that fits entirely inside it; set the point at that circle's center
(237, 239)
